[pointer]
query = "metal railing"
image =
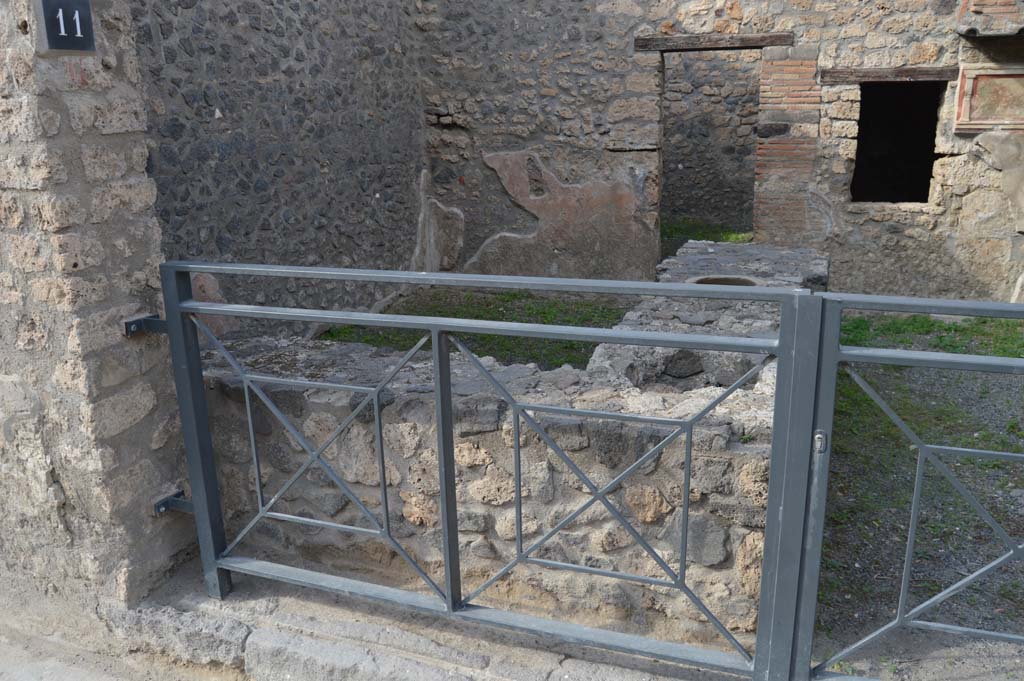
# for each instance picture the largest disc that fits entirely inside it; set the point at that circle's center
(808, 355)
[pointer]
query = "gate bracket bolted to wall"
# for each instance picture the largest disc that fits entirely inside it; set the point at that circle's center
(174, 502)
(150, 324)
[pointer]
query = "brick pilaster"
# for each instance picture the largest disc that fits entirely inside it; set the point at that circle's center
(787, 143)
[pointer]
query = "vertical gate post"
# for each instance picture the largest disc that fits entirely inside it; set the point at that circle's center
(446, 469)
(788, 488)
(825, 401)
(195, 427)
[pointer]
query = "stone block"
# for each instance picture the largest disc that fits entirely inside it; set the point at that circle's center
(103, 163)
(116, 414)
(53, 213)
(131, 197)
(31, 166)
(74, 253)
(272, 655)
(190, 637)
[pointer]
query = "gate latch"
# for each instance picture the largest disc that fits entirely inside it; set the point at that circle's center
(820, 442)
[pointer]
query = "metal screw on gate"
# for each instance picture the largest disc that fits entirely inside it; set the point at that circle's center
(820, 442)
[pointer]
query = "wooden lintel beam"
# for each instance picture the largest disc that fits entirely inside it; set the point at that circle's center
(903, 74)
(693, 42)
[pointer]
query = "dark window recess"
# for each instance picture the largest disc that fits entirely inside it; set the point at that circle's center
(896, 142)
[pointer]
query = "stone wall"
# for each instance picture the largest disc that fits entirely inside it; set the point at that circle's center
(287, 133)
(543, 130)
(85, 414)
(727, 494)
(965, 241)
(711, 108)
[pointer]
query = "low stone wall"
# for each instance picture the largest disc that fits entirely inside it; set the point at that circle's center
(727, 492)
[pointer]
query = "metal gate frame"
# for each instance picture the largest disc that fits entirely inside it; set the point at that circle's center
(808, 355)
(832, 359)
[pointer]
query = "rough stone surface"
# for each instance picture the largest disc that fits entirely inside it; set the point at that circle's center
(79, 249)
(284, 132)
(195, 638)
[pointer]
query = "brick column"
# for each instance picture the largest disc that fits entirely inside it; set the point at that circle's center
(787, 145)
(85, 414)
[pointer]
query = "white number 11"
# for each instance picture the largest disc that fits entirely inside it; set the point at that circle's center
(75, 18)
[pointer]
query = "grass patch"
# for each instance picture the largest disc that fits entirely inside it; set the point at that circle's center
(873, 469)
(519, 306)
(677, 231)
(999, 337)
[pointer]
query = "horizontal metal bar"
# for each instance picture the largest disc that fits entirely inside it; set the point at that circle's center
(610, 415)
(551, 631)
(476, 326)
(618, 288)
(301, 383)
(565, 632)
(313, 522)
(559, 565)
(976, 453)
(965, 631)
(934, 360)
(317, 580)
(956, 308)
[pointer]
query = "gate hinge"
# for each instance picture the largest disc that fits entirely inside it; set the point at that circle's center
(150, 324)
(174, 502)
(820, 442)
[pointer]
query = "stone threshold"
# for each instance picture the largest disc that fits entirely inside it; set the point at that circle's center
(273, 631)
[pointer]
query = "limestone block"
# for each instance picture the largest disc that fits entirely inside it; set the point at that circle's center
(752, 481)
(987, 213)
(116, 414)
(68, 294)
(471, 454)
(11, 212)
(636, 108)
(646, 503)
(191, 637)
(749, 556)
(131, 197)
(119, 110)
(496, 488)
(100, 330)
(24, 253)
(103, 163)
(74, 253)
(18, 120)
(53, 213)
(419, 509)
(30, 166)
